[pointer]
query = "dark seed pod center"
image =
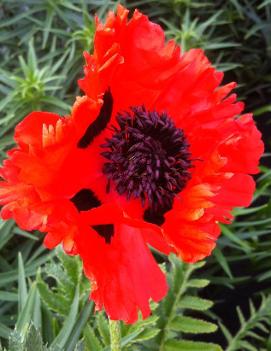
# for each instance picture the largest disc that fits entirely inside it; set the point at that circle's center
(147, 158)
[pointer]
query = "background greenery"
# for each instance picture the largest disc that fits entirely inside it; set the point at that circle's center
(43, 295)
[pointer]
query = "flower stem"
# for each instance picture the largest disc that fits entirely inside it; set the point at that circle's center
(115, 335)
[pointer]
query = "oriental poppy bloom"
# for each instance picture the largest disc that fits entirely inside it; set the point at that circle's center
(156, 153)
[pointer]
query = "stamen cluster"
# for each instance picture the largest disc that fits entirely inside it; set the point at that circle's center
(148, 158)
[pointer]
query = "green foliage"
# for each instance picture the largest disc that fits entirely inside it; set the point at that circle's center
(67, 277)
(36, 325)
(246, 239)
(64, 299)
(256, 327)
(177, 312)
(58, 316)
(31, 342)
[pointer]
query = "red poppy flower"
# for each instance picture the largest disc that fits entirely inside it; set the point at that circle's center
(155, 154)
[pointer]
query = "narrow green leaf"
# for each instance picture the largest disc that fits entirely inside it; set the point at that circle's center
(226, 333)
(192, 325)
(33, 340)
(184, 345)
(6, 232)
(198, 283)
(47, 325)
(26, 314)
(37, 313)
(195, 303)
(69, 323)
(241, 316)
(8, 296)
(22, 288)
(31, 57)
(245, 345)
(222, 261)
(234, 238)
(145, 323)
(146, 335)
(91, 341)
(4, 331)
(59, 305)
(71, 265)
(79, 326)
(128, 339)
(102, 325)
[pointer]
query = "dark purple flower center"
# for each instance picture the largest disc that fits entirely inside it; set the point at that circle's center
(147, 158)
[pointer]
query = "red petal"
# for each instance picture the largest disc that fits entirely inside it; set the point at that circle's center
(126, 275)
(29, 131)
(236, 192)
(244, 148)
